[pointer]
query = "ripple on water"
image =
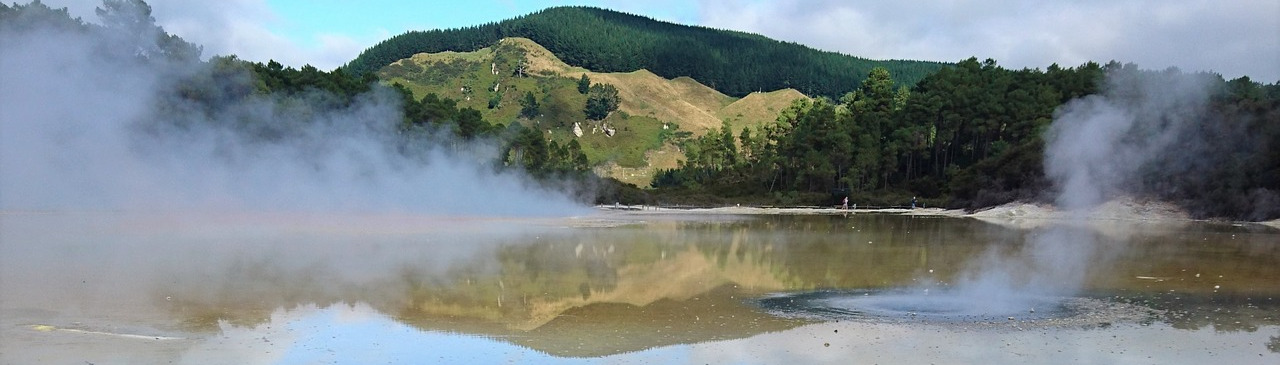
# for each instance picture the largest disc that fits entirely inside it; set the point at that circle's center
(944, 307)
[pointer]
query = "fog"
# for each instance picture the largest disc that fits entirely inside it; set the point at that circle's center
(127, 207)
(90, 121)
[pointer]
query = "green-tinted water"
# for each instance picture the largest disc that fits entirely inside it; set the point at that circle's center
(109, 288)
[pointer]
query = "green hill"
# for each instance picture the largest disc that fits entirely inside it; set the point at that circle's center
(651, 117)
(734, 63)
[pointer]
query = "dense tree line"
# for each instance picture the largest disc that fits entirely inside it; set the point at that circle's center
(601, 40)
(973, 136)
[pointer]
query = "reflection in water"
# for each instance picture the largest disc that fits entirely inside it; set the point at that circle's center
(349, 335)
(355, 334)
(585, 287)
(888, 343)
(919, 305)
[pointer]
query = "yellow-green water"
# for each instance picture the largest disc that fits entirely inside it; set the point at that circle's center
(613, 287)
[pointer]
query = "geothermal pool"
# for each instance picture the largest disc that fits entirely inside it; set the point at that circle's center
(629, 287)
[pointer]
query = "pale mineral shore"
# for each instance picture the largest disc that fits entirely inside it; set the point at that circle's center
(1017, 214)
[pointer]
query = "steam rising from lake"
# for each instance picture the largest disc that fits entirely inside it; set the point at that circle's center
(1096, 150)
(85, 124)
(1098, 145)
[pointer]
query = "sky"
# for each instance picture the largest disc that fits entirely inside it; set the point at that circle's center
(1231, 37)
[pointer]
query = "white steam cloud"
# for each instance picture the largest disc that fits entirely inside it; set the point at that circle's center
(80, 129)
(1098, 148)
(1099, 144)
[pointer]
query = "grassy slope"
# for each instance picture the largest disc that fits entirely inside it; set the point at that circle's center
(652, 107)
(756, 108)
(610, 41)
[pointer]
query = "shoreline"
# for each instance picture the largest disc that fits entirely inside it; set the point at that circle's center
(1019, 214)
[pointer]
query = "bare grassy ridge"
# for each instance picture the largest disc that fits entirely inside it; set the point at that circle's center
(652, 108)
(684, 101)
(758, 106)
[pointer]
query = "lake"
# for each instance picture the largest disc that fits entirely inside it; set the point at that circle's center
(629, 287)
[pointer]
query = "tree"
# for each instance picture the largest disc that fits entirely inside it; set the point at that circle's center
(132, 18)
(584, 84)
(527, 149)
(529, 106)
(522, 68)
(470, 123)
(579, 159)
(495, 100)
(602, 99)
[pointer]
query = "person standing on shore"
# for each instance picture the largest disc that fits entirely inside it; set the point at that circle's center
(845, 205)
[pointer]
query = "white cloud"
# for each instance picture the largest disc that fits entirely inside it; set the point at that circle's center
(337, 49)
(1232, 38)
(243, 28)
(239, 27)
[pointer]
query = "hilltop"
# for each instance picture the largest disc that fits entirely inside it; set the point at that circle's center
(735, 63)
(655, 113)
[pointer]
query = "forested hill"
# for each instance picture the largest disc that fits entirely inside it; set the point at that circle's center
(734, 63)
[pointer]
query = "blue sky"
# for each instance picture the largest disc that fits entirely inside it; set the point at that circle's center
(318, 24)
(302, 19)
(1233, 38)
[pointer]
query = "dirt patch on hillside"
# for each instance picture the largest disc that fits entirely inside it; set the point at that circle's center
(540, 60)
(684, 101)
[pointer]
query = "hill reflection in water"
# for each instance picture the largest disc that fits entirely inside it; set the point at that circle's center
(567, 288)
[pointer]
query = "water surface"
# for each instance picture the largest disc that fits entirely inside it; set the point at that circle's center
(613, 287)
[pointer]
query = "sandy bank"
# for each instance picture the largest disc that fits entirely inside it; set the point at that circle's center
(740, 210)
(1112, 214)
(1118, 209)
(1016, 214)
